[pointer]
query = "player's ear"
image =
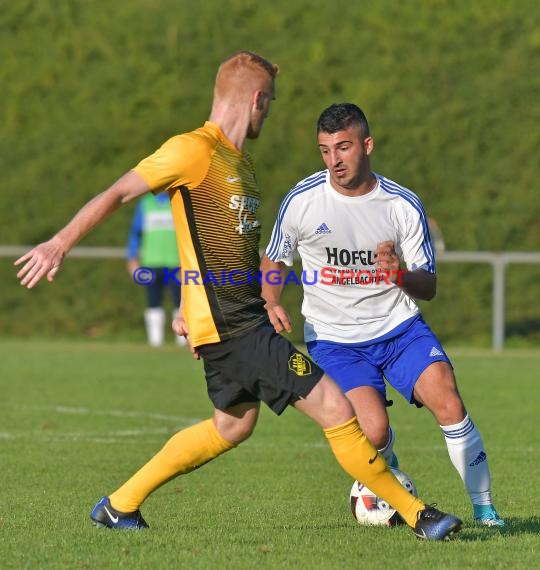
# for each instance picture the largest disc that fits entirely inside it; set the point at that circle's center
(369, 144)
(259, 99)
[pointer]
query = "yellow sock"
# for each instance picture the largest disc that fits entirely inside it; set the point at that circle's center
(361, 461)
(184, 452)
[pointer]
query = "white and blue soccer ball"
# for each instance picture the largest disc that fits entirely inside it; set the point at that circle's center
(370, 510)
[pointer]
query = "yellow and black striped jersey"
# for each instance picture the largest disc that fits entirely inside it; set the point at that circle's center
(214, 199)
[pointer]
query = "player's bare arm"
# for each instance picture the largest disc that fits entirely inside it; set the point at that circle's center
(46, 258)
(271, 293)
(419, 284)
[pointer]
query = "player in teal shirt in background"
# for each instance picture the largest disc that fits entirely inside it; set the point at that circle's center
(152, 244)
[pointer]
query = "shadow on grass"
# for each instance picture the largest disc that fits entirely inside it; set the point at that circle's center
(514, 527)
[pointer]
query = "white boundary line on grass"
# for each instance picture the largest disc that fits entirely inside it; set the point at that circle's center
(112, 413)
(107, 437)
(121, 436)
(115, 436)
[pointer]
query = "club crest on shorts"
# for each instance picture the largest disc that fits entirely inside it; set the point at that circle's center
(299, 364)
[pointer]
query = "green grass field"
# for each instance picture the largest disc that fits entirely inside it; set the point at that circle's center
(76, 419)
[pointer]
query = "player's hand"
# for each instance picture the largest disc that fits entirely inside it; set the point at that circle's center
(44, 260)
(278, 317)
(386, 259)
(132, 265)
(180, 328)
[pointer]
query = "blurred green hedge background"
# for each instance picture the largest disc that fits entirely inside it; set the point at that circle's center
(451, 89)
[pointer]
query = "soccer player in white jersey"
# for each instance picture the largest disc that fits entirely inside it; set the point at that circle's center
(353, 230)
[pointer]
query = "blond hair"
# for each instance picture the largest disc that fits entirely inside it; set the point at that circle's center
(242, 71)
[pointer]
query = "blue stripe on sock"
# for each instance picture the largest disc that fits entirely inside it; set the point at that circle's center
(459, 432)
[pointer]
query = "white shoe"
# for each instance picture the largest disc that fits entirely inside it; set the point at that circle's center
(154, 319)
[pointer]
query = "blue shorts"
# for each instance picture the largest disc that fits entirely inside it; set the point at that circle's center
(400, 359)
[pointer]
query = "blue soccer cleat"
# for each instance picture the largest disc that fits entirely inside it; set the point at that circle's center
(433, 524)
(487, 515)
(104, 515)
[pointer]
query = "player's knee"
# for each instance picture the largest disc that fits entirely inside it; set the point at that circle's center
(235, 431)
(377, 435)
(337, 409)
(450, 411)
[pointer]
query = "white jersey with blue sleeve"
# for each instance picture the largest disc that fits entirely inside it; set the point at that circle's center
(345, 299)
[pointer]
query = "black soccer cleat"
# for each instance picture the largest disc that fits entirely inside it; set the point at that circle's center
(433, 524)
(103, 515)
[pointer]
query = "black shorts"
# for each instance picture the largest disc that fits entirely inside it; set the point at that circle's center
(259, 366)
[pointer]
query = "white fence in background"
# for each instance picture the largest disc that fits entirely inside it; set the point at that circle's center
(498, 262)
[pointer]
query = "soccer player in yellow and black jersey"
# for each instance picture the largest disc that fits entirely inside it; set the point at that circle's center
(214, 198)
